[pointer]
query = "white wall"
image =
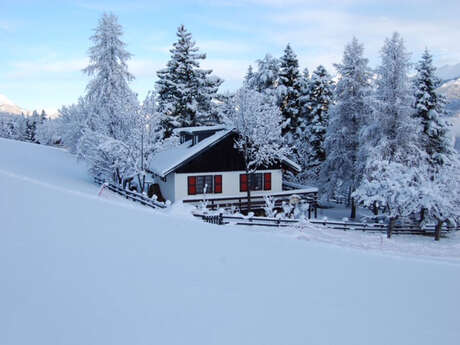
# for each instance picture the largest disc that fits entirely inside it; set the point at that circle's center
(230, 184)
(167, 187)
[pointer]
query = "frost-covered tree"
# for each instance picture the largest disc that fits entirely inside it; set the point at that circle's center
(249, 79)
(111, 103)
(429, 110)
(108, 158)
(266, 78)
(20, 128)
(391, 136)
(392, 184)
(8, 125)
(43, 116)
(259, 132)
(186, 92)
(48, 132)
(73, 121)
(315, 118)
(31, 126)
(289, 88)
(342, 170)
(440, 196)
(303, 100)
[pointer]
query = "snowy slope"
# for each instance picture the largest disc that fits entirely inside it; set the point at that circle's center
(82, 269)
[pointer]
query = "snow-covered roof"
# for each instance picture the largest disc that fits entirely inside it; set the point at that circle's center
(199, 129)
(167, 161)
(292, 164)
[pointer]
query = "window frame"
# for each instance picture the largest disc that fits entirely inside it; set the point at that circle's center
(196, 183)
(264, 178)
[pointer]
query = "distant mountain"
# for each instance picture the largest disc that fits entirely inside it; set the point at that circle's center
(7, 106)
(448, 72)
(451, 89)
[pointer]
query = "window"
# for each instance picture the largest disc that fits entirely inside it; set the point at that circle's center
(205, 184)
(258, 181)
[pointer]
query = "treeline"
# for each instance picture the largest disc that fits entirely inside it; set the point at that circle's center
(35, 128)
(375, 137)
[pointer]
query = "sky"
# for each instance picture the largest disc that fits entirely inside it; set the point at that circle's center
(44, 43)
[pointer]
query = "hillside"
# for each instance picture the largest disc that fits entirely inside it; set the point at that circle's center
(82, 269)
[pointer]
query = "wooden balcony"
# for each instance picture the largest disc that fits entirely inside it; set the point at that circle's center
(214, 202)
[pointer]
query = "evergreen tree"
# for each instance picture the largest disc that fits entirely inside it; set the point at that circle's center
(249, 78)
(341, 172)
(31, 123)
(393, 167)
(185, 92)
(267, 76)
(304, 96)
(316, 121)
(289, 88)
(43, 116)
(429, 110)
(112, 104)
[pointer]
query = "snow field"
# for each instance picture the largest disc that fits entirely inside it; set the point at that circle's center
(78, 269)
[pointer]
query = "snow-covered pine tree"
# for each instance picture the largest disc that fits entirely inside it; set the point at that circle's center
(111, 103)
(249, 78)
(258, 125)
(266, 77)
(439, 185)
(342, 170)
(43, 116)
(315, 118)
(391, 143)
(303, 100)
(32, 122)
(429, 110)
(289, 88)
(186, 92)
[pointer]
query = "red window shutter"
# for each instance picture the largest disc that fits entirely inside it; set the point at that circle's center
(191, 185)
(217, 183)
(243, 183)
(267, 181)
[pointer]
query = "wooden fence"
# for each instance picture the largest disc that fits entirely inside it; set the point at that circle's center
(128, 194)
(258, 201)
(345, 226)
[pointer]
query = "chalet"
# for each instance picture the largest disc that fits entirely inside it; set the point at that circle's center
(206, 166)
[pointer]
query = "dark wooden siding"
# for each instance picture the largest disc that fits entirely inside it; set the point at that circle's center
(220, 157)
